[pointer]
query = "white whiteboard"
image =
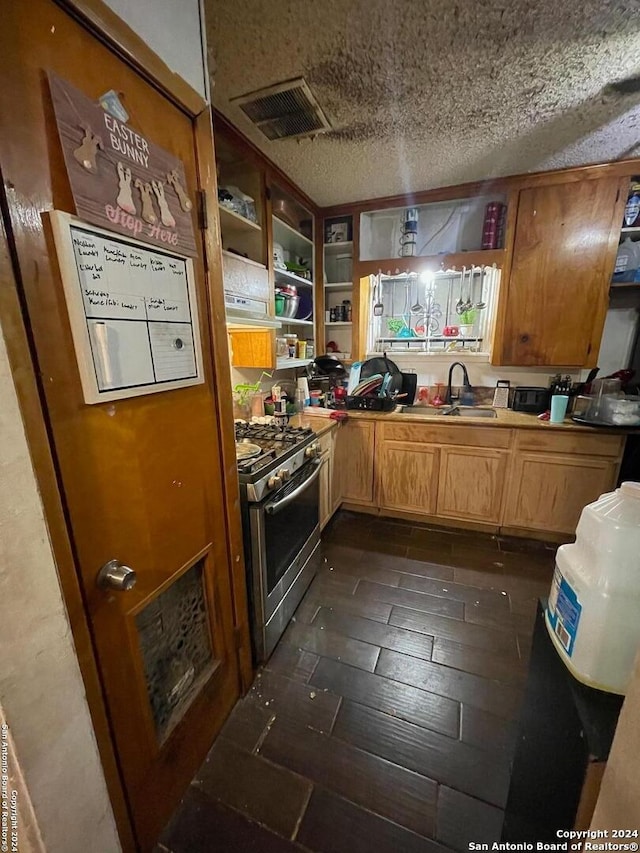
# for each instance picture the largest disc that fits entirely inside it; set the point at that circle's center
(133, 312)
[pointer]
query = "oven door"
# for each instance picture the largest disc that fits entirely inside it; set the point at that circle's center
(285, 535)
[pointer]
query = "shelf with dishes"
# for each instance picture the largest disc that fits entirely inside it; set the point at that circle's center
(289, 277)
(293, 322)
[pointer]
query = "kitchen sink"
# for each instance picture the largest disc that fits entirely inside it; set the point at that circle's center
(458, 411)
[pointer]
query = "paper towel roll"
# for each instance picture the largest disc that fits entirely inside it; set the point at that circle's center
(303, 385)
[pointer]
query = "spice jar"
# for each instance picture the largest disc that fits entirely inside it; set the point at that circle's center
(292, 341)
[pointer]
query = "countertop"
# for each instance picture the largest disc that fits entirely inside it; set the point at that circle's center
(504, 418)
(320, 425)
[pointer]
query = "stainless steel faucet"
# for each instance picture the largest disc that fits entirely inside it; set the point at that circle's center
(449, 398)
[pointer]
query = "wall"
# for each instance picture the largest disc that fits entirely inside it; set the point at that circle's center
(41, 691)
(618, 805)
(174, 30)
(435, 368)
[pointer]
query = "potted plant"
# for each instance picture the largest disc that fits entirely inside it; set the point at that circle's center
(467, 322)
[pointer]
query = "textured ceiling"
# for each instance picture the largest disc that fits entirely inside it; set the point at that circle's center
(426, 93)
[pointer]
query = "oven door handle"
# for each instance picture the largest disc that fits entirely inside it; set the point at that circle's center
(275, 507)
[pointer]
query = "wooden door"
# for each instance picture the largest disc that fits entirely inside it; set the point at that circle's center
(140, 478)
(408, 476)
(353, 461)
(563, 259)
(471, 483)
(549, 491)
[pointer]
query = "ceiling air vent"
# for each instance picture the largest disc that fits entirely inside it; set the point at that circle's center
(284, 111)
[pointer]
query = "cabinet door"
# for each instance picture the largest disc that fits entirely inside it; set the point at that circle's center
(325, 492)
(408, 476)
(252, 348)
(353, 462)
(325, 444)
(548, 491)
(555, 300)
(471, 483)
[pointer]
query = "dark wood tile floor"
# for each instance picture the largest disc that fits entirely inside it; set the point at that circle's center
(385, 720)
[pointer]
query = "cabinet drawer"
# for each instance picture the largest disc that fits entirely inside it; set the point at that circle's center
(468, 436)
(570, 442)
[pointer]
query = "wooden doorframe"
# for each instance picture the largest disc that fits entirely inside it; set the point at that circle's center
(105, 25)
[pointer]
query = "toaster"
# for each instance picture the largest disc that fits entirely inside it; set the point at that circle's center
(528, 398)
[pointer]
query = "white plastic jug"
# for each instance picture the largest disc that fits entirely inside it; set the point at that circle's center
(593, 615)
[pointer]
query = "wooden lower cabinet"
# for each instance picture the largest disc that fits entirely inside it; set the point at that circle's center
(353, 462)
(526, 481)
(328, 504)
(548, 491)
(470, 483)
(408, 476)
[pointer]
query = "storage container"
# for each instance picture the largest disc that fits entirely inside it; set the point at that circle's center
(594, 604)
(627, 261)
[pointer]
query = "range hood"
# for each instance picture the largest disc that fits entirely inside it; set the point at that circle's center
(242, 311)
(246, 293)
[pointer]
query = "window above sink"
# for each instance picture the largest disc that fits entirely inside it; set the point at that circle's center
(446, 312)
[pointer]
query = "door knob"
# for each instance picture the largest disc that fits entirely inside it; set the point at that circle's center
(115, 575)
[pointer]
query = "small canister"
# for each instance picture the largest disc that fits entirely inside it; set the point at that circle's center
(292, 341)
(301, 349)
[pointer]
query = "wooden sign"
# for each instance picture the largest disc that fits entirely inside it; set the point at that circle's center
(133, 312)
(119, 179)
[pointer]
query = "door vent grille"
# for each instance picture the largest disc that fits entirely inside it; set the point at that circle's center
(284, 111)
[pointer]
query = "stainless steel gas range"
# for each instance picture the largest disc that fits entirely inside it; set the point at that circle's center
(278, 469)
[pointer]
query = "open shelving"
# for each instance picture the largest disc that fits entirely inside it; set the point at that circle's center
(289, 277)
(232, 221)
(338, 279)
(341, 247)
(287, 363)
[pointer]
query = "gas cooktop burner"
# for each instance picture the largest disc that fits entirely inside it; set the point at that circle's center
(270, 432)
(246, 450)
(277, 447)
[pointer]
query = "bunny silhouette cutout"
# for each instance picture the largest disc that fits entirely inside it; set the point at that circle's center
(166, 216)
(174, 180)
(85, 154)
(146, 195)
(125, 197)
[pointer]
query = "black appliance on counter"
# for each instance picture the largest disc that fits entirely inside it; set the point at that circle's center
(278, 470)
(528, 398)
(325, 372)
(564, 736)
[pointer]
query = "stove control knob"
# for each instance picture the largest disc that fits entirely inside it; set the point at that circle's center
(274, 482)
(311, 451)
(284, 474)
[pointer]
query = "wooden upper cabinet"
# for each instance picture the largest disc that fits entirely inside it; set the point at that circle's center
(554, 302)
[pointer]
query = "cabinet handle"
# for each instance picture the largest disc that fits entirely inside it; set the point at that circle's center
(524, 339)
